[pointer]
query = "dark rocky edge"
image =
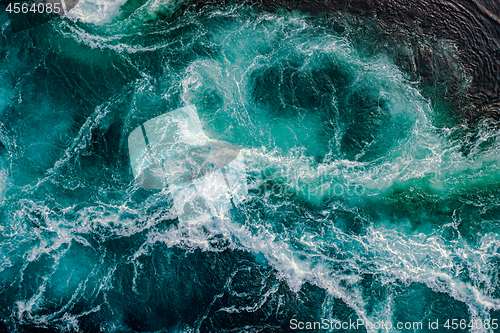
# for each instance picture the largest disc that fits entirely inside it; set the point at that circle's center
(473, 26)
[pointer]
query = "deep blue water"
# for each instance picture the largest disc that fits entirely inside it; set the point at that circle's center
(367, 199)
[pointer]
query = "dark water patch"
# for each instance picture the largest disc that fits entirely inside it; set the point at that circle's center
(419, 304)
(472, 27)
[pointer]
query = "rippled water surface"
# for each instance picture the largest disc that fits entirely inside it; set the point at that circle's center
(367, 199)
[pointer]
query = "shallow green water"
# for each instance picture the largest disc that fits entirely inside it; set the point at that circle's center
(366, 200)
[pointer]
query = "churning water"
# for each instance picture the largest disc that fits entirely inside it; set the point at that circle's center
(365, 200)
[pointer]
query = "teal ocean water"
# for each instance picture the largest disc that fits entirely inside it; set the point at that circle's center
(367, 199)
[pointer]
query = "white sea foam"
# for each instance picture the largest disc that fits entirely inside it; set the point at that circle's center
(98, 12)
(101, 12)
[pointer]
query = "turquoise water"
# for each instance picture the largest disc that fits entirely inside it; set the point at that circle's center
(367, 200)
